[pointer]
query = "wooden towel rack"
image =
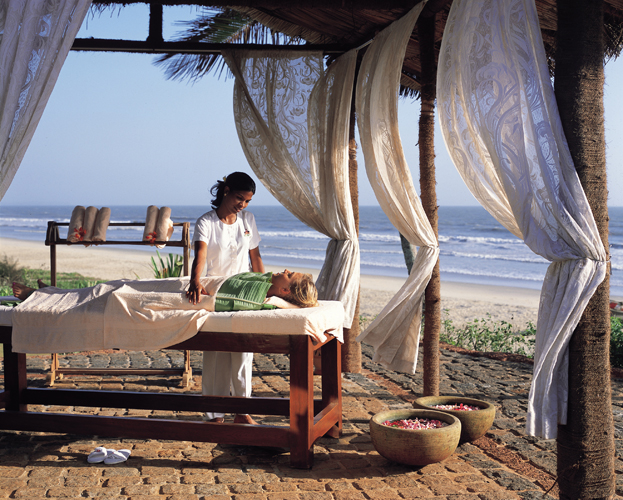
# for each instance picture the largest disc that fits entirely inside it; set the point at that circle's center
(52, 239)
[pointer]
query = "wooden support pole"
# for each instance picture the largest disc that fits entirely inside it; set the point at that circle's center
(351, 350)
(586, 443)
(155, 23)
(432, 296)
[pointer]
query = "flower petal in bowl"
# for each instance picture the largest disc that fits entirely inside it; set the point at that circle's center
(474, 424)
(415, 447)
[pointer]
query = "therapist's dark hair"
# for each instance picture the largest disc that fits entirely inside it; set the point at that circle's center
(236, 181)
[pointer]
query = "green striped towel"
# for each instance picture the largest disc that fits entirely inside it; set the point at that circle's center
(244, 292)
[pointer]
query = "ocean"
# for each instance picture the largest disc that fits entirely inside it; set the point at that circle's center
(475, 248)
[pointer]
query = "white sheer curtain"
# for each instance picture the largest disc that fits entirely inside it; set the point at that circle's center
(35, 37)
(502, 128)
(292, 119)
(395, 332)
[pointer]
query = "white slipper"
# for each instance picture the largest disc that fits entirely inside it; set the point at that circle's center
(116, 456)
(97, 455)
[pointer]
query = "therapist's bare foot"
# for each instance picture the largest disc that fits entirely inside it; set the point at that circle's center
(217, 420)
(244, 419)
(20, 291)
(41, 284)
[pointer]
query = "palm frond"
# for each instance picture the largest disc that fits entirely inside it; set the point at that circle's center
(216, 26)
(613, 37)
(98, 8)
(409, 86)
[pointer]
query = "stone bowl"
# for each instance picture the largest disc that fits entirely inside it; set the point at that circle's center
(474, 424)
(415, 447)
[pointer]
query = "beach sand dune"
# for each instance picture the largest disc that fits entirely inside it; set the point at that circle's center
(462, 301)
(518, 308)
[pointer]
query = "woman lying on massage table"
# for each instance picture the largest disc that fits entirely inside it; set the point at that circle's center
(241, 292)
(145, 314)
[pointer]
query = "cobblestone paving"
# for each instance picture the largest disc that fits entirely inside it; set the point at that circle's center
(503, 465)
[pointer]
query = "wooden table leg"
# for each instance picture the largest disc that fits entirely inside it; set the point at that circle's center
(332, 381)
(187, 375)
(14, 378)
(301, 402)
(52, 375)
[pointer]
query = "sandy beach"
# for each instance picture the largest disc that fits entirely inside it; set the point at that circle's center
(462, 301)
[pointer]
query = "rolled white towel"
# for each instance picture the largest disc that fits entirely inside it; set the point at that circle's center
(151, 219)
(164, 228)
(101, 225)
(75, 233)
(90, 215)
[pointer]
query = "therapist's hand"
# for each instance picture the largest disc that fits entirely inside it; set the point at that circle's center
(195, 291)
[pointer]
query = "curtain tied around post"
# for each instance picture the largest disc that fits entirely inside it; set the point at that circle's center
(395, 332)
(502, 128)
(292, 119)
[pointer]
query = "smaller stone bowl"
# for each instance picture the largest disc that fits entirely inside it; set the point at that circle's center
(415, 447)
(474, 424)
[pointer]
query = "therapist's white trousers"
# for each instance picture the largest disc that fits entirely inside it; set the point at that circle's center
(226, 374)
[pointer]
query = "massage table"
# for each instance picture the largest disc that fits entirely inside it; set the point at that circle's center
(309, 419)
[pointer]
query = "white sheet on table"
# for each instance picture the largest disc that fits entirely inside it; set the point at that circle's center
(145, 314)
(5, 315)
(313, 321)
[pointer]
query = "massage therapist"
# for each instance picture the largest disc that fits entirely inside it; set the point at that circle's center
(225, 241)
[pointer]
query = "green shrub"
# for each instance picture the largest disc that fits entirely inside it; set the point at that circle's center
(616, 342)
(63, 280)
(10, 271)
(66, 281)
(486, 335)
(169, 268)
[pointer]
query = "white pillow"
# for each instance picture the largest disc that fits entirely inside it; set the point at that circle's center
(280, 303)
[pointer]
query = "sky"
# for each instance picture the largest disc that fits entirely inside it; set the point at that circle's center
(117, 132)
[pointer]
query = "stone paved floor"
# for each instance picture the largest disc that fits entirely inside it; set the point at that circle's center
(503, 465)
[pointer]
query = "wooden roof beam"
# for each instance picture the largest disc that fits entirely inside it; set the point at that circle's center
(136, 46)
(279, 4)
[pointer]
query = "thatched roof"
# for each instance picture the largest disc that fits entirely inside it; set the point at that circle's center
(351, 23)
(353, 26)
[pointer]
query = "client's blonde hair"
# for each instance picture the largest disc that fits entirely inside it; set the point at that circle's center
(303, 292)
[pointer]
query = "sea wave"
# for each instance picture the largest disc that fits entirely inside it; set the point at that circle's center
(14, 222)
(311, 235)
(41, 230)
(24, 221)
(519, 275)
(482, 240)
(395, 237)
(528, 259)
(265, 247)
(314, 235)
(391, 265)
(389, 238)
(268, 246)
(293, 255)
(127, 228)
(390, 252)
(320, 258)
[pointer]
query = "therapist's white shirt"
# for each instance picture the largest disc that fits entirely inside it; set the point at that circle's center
(228, 245)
